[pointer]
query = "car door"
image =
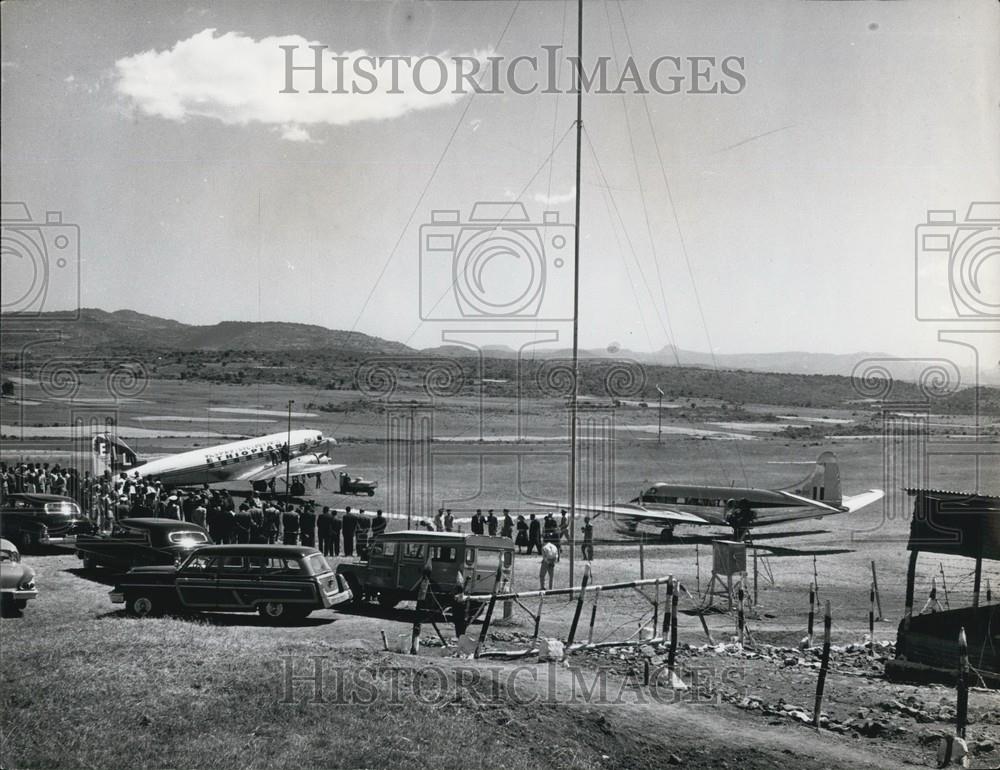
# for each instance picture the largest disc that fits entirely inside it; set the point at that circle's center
(197, 582)
(124, 548)
(237, 587)
(281, 579)
(411, 566)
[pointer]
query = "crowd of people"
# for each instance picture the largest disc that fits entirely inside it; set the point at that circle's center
(108, 498)
(531, 535)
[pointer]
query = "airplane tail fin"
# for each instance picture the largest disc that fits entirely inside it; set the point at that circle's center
(823, 483)
(113, 454)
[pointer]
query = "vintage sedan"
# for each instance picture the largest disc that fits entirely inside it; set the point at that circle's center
(141, 543)
(17, 580)
(35, 520)
(284, 583)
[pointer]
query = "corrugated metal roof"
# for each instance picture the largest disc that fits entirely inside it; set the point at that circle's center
(954, 492)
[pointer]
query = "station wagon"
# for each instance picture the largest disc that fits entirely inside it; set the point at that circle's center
(397, 561)
(282, 582)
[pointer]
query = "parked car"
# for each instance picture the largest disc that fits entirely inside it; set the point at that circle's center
(284, 583)
(395, 565)
(17, 580)
(355, 485)
(141, 543)
(34, 520)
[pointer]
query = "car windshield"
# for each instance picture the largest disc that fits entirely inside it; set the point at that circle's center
(6, 555)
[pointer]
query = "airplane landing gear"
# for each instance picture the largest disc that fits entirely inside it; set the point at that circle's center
(666, 534)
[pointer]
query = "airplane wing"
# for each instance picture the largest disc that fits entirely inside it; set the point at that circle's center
(297, 467)
(633, 511)
(817, 504)
(857, 502)
(849, 505)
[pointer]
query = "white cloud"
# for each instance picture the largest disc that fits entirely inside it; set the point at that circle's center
(552, 200)
(237, 80)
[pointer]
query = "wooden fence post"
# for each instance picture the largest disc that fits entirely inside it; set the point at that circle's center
(672, 655)
(593, 616)
(962, 707)
(489, 614)
(812, 615)
(871, 620)
(579, 607)
(669, 601)
(739, 614)
(878, 599)
(823, 665)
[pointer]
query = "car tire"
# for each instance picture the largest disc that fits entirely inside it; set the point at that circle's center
(8, 607)
(25, 542)
(142, 606)
(357, 594)
(387, 600)
(90, 562)
(279, 612)
(371, 493)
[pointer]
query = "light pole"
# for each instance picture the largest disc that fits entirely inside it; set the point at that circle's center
(288, 457)
(659, 415)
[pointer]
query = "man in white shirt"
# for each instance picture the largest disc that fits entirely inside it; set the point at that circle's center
(550, 555)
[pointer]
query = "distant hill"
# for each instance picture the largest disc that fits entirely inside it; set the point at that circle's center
(100, 329)
(792, 362)
(103, 330)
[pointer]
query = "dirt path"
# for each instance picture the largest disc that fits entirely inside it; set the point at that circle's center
(639, 727)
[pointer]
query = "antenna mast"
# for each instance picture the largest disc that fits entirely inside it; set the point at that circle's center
(576, 292)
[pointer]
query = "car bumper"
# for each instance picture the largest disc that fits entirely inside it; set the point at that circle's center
(21, 594)
(116, 597)
(57, 540)
(335, 591)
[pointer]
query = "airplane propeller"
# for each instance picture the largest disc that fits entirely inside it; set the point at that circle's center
(740, 516)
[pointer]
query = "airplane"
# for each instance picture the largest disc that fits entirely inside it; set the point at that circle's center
(255, 459)
(741, 508)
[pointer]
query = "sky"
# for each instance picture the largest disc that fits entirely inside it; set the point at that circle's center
(779, 217)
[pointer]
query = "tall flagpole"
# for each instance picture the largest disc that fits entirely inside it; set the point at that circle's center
(576, 293)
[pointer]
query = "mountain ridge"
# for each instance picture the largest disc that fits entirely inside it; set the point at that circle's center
(125, 328)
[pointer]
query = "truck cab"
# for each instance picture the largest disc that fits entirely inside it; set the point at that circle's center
(397, 561)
